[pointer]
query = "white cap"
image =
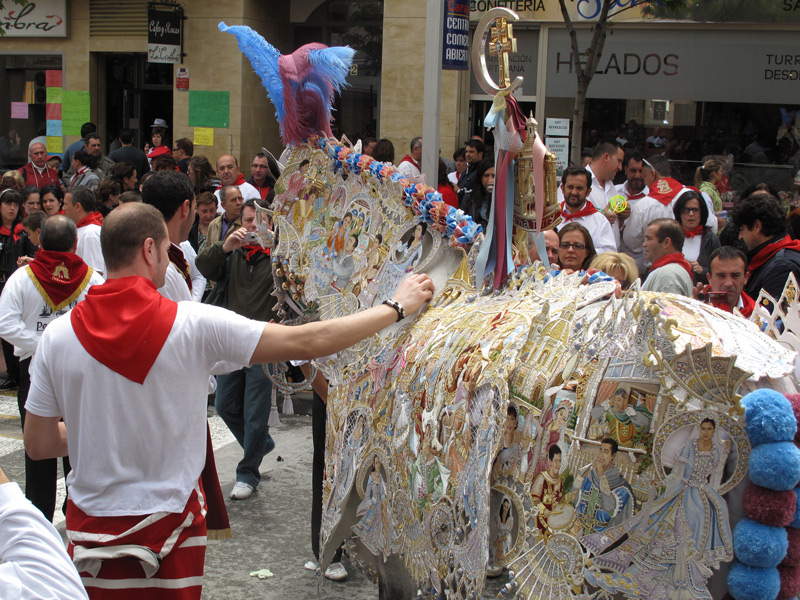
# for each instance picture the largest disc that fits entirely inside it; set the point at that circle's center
(37, 140)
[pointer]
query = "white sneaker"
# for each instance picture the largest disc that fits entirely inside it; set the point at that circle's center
(311, 565)
(241, 491)
(336, 572)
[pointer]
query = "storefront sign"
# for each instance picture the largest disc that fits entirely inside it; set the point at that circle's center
(42, 18)
(182, 79)
(556, 127)
(455, 41)
(549, 10)
(164, 36)
(712, 66)
(523, 62)
(560, 147)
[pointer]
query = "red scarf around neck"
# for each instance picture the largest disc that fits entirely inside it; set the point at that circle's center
(254, 251)
(8, 233)
(123, 324)
(408, 158)
(748, 304)
(674, 258)
(60, 277)
(690, 233)
(239, 181)
(588, 209)
(177, 258)
(93, 218)
(665, 189)
(771, 250)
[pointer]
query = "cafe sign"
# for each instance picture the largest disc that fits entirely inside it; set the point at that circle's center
(164, 36)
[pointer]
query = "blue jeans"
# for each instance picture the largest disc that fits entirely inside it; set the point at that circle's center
(243, 402)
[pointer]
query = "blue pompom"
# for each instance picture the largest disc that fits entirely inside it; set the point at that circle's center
(775, 466)
(796, 522)
(753, 583)
(769, 417)
(759, 545)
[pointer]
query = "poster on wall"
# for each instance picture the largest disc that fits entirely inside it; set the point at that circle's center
(42, 18)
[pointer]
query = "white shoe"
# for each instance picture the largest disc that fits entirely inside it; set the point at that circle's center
(336, 572)
(241, 491)
(311, 565)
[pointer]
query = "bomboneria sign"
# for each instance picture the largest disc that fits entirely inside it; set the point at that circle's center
(164, 36)
(42, 18)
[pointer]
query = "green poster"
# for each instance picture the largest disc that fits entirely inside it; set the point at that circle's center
(75, 111)
(54, 95)
(209, 109)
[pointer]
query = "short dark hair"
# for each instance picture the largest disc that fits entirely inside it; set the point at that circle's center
(130, 196)
(126, 135)
(579, 171)
(383, 151)
(58, 234)
(764, 207)
(633, 155)
(683, 199)
(85, 197)
(727, 253)
(512, 411)
(53, 189)
(122, 170)
(34, 220)
(251, 203)
(611, 442)
(164, 162)
(660, 165)
(477, 145)
(416, 142)
(83, 157)
(607, 146)
(107, 188)
(669, 228)
(204, 198)
(87, 128)
(90, 136)
(167, 191)
(554, 450)
(124, 231)
(460, 153)
(186, 145)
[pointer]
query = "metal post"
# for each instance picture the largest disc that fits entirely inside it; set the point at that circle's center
(432, 95)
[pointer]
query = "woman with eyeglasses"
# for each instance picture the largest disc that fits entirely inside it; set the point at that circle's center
(691, 211)
(575, 247)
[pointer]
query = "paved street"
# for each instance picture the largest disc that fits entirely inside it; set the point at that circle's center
(271, 528)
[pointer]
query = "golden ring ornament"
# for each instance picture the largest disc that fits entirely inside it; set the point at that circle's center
(502, 44)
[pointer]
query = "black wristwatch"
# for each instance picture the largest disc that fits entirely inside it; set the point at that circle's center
(401, 313)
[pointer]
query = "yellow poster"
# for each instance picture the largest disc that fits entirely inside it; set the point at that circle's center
(203, 136)
(55, 145)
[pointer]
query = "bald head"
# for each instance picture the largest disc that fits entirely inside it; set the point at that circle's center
(59, 234)
(125, 231)
(227, 169)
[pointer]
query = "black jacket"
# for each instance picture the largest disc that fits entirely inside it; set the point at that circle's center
(773, 274)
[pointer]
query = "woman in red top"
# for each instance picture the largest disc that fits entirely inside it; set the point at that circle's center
(445, 188)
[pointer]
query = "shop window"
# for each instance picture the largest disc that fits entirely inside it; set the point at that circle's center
(23, 103)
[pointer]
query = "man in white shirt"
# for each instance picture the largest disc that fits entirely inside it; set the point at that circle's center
(410, 165)
(229, 174)
(575, 188)
(80, 205)
(33, 562)
(52, 283)
(140, 497)
(607, 158)
(635, 189)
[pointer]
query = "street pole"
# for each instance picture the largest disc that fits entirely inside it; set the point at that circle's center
(432, 94)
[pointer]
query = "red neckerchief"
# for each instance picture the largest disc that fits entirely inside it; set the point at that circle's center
(177, 258)
(588, 209)
(408, 158)
(664, 190)
(255, 250)
(690, 233)
(8, 233)
(93, 218)
(18, 229)
(239, 181)
(748, 304)
(771, 250)
(159, 151)
(673, 258)
(60, 277)
(123, 324)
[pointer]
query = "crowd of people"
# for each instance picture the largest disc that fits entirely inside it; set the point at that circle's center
(164, 230)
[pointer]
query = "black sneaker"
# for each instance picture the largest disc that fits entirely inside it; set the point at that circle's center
(8, 385)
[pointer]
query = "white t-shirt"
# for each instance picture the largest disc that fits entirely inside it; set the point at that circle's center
(89, 248)
(248, 192)
(24, 315)
(409, 169)
(175, 287)
(137, 449)
(35, 565)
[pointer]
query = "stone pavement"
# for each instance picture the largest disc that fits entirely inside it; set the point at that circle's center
(271, 528)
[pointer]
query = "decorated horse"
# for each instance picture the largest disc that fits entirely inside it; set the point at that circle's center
(591, 443)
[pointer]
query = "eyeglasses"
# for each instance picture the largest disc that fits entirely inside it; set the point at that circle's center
(568, 245)
(687, 210)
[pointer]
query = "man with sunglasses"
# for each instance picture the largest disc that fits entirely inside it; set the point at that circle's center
(576, 186)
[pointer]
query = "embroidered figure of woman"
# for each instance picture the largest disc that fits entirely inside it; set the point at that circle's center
(297, 179)
(409, 255)
(503, 526)
(673, 543)
(373, 527)
(338, 238)
(344, 264)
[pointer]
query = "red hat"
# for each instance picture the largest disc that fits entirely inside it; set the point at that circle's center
(52, 156)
